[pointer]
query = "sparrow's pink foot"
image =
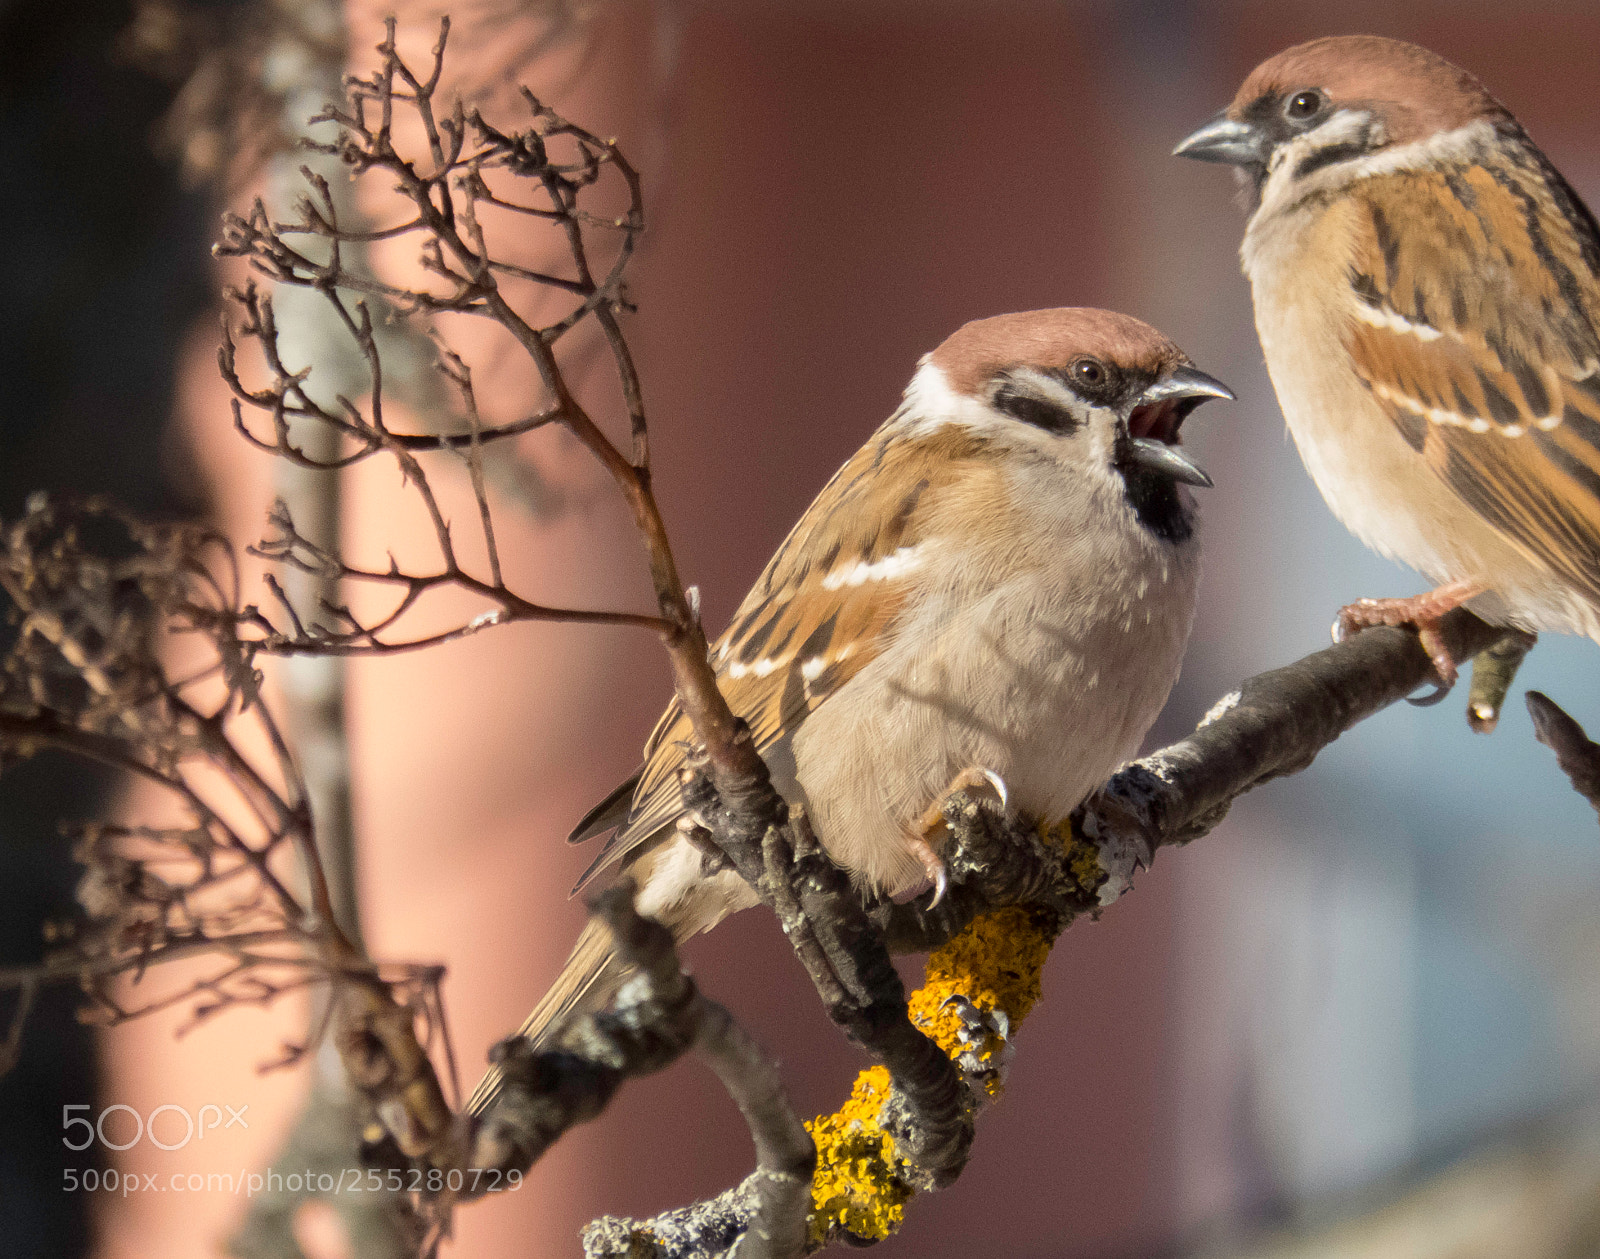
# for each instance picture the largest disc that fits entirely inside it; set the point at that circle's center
(1422, 612)
(933, 870)
(932, 824)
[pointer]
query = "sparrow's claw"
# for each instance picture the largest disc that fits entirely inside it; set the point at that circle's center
(1422, 612)
(966, 780)
(932, 868)
(932, 824)
(999, 785)
(1439, 693)
(1444, 664)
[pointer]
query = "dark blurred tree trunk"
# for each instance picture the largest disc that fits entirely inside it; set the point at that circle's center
(105, 271)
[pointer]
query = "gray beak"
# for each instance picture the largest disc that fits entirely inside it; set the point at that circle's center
(1225, 140)
(1168, 460)
(1186, 382)
(1158, 456)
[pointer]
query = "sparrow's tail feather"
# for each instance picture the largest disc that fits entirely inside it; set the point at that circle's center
(587, 982)
(610, 813)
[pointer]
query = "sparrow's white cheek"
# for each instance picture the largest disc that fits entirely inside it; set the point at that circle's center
(930, 403)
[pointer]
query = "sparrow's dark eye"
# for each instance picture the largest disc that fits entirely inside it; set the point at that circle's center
(1303, 105)
(1090, 373)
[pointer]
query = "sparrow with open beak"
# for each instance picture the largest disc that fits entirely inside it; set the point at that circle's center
(1427, 292)
(1002, 579)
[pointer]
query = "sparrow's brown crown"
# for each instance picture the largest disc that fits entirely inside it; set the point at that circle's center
(1420, 92)
(1051, 340)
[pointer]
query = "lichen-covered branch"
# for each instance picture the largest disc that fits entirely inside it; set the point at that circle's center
(848, 960)
(1016, 884)
(657, 1016)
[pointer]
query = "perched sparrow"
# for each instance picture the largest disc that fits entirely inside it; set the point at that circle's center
(1427, 292)
(1002, 577)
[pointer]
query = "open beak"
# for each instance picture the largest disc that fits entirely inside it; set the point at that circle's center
(1227, 140)
(1154, 421)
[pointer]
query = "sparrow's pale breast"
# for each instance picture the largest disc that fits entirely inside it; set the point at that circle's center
(1045, 664)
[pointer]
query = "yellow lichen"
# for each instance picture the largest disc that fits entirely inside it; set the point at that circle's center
(994, 965)
(855, 1186)
(1083, 858)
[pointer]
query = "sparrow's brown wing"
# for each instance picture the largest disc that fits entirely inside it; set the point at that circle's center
(1474, 299)
(823, 609)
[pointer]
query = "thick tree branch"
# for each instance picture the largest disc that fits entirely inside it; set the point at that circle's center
(845, 955)
(658, 1015)
(1273, 725)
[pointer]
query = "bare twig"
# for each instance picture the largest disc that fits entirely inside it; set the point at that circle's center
(1577, 755)
(1494, 669)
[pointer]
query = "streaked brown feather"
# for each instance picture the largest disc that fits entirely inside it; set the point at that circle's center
(790, 617)
(1497, 379)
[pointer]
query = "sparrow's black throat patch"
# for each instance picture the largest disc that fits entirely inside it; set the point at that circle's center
(1158, 503)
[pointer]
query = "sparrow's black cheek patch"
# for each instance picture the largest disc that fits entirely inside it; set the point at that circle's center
(1032, 409)
(1329, 156)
